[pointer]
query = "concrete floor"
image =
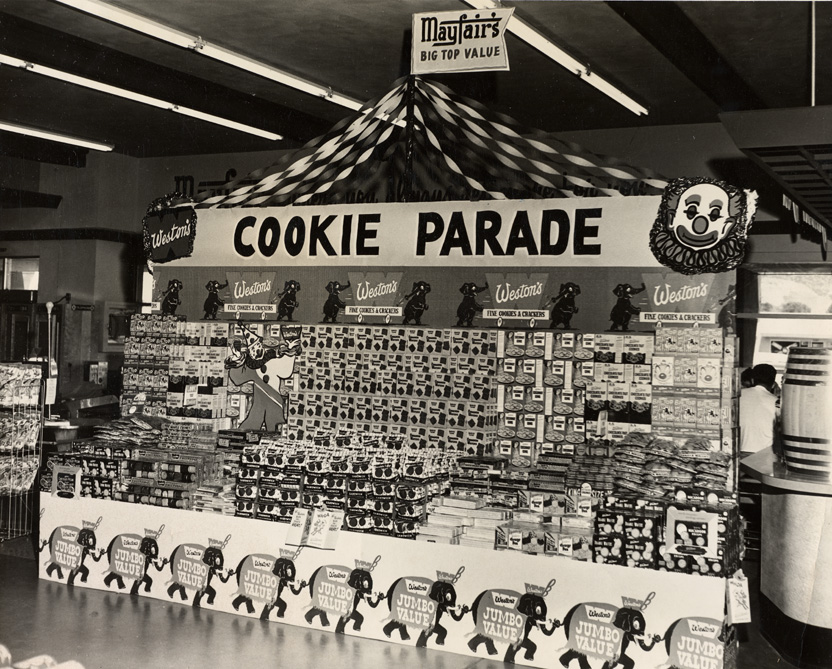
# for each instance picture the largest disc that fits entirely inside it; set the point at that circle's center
(103, 630)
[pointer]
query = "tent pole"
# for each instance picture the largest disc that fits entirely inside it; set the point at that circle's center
(410, 92)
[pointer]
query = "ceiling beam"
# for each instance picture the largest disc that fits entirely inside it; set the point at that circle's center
(41, 150)
(36, 43)
(15, 198)
(666, 27)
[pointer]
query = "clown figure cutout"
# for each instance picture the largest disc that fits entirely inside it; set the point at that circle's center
(702, 226)
(266, 368)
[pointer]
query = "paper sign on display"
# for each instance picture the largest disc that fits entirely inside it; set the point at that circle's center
(739, 606)
(51, 390)
(460, 41)
(321, 533)
(299, 527)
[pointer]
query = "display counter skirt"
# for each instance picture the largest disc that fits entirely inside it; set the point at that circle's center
(533, 610)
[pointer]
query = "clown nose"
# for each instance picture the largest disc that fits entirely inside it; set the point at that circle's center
(700, 225)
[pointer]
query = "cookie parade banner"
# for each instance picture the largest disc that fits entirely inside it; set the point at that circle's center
(605, 231)
(527, 609)
(586, 265)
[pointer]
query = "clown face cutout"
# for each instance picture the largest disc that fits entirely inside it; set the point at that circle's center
(702, 226)
(701, 218)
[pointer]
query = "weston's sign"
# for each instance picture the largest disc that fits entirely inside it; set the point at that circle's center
(460, 41)
(600, 232)
(677, 298)
(517, 296)
(251, 287)
(375, 294)
(169, 229)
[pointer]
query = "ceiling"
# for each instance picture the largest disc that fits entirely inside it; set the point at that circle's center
(685, 61)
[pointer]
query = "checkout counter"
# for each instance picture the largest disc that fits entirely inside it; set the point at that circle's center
(796, 561)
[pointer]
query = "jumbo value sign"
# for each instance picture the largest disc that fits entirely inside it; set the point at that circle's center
(600, 232)
(460, 41)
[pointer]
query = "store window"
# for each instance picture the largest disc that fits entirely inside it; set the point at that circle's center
(796, 294)
(20, 273)
(795, 309)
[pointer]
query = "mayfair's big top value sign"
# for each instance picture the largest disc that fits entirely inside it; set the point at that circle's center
(460, 41)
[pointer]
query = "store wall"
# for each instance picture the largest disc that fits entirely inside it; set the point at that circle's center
(112, 192)
(65, 267)
(785, 248)
(17, 173)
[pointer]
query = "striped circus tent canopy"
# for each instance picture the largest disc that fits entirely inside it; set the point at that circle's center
(421, 141)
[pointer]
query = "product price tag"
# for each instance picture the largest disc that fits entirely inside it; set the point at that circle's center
(324, 528)
(51, 390)
(739, 607)
(191, 395)
(299, 527)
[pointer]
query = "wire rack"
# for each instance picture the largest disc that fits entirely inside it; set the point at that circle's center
(21, 438)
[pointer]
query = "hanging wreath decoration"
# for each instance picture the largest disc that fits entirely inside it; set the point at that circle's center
(702, 225)
(169, 228)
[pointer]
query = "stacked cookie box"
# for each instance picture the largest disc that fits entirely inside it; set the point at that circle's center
(147, 353)
(99, 460)
(381, 484)
(695, 538)
(552, 525)
(175, 369)
(137, 475)
(540, 394)
(429, 386)
(618, 390)
(197, 379)
(165, 478)
(695, 386)
(462, 520)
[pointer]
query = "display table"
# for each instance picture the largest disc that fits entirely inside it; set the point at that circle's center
(796, 561)
(533, 610)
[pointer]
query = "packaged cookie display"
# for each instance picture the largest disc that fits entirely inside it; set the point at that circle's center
(439, 378)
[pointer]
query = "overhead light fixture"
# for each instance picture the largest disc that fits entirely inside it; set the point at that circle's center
(198, 45)
(534, 39)
(53, 136)
(132, 95)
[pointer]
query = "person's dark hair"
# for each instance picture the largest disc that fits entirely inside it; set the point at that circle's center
(764, 375)
(747, 378)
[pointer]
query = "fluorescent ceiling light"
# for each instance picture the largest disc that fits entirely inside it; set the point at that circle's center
(136, 97)
(198, 45)
(530, 36)
(54, 137)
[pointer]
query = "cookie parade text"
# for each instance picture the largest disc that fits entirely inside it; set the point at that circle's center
(550, 232)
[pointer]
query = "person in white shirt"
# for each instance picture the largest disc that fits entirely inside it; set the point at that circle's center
(759, 410)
